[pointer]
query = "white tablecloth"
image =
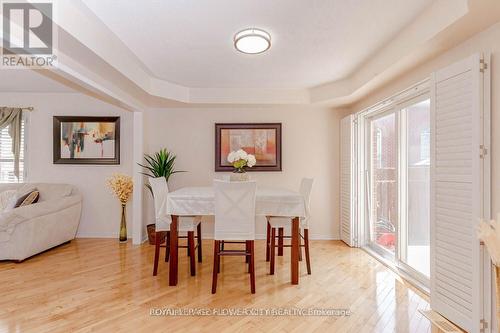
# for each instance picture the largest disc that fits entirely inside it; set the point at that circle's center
(189, 201)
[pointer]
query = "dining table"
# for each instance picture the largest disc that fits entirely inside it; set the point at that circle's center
(200, 201)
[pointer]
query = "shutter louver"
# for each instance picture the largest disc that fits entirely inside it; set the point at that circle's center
(7, 158)
(456, 193)
(347, 191)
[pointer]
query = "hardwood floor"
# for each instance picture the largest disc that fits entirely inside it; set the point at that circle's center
(99, 285)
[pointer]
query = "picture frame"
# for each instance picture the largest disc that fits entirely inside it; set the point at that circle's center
(260, 139)
(86, 140)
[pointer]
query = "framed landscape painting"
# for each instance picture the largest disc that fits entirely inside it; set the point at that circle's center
(86, 140)
(262, 140)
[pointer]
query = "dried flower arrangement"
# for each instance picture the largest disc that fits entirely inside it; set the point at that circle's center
(122, 187)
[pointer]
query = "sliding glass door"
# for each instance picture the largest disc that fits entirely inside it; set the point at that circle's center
(415, 160)
(383, 175)
(397, 159)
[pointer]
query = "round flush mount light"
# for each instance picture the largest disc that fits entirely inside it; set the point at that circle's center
(252, 41)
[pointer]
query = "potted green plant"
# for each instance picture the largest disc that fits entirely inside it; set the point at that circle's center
(159, 164)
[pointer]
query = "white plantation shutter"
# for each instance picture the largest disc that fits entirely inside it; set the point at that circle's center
(347, 183)
(7, 158)
(456, 192)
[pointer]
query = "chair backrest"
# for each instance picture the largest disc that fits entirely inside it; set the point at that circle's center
(160, 192)
(305, 190)
(234, 210)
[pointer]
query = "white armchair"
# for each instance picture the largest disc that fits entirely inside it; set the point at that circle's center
(31, 229)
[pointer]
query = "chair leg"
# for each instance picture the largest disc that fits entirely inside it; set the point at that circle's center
(280, 241)
(221, 248)
(300, 248)
(306, 245)
(157, 253)
(273, 250)
(191, 253)
(268, 243)
(167, 252)
(252, 266)
(247, 250)
(198, 231)
(216, 264)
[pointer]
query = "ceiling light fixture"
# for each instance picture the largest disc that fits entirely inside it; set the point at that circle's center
(252, 41)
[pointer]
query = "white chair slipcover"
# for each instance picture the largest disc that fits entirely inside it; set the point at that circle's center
(162, 219)
(305, 191)
(234, 210)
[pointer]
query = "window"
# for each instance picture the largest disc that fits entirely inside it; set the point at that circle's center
(7, 158)
(378, 136)
(394, 159)
(384, 183)
(425, 146)
(415, 230)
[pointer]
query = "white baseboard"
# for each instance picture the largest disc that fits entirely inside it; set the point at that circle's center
(205, 236)
(106, 236)
(95, 235)
(323, 237)
(99, 235)
(263, 236)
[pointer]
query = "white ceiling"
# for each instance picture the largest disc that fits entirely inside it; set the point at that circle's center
(189, 42)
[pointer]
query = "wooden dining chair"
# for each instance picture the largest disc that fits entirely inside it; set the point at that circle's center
(276, 223)
(234, 223)
(187, 225)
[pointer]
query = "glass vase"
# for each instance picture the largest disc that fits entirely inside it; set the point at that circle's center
(239, 175)
(123, 225)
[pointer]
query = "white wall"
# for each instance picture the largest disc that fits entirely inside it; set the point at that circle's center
(310, 149)
(101, 211)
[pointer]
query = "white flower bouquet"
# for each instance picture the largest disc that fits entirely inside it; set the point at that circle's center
(241, 159)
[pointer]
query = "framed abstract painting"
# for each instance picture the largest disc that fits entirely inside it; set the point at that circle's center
(262, 140)
(86, 140)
